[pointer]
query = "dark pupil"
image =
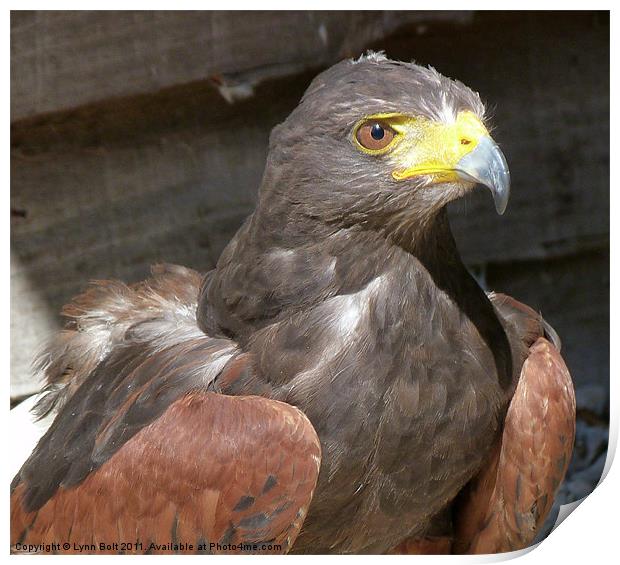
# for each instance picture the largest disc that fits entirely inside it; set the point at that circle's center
(377, 132)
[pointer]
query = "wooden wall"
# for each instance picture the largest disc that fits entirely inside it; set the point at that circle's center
(141, 137)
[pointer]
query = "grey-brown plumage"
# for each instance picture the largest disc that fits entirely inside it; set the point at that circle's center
(343, 295)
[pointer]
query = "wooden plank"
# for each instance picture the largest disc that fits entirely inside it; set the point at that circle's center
(63, 60)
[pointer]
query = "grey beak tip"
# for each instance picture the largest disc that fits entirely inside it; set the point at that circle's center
(500, 207)
(501, 192)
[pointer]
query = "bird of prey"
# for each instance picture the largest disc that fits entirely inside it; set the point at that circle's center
(339, 383)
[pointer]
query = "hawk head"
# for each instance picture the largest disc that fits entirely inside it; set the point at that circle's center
(381, 143)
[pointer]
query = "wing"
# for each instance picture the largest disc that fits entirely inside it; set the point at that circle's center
(505, 505)
(212, 474)
(502, 508)
(143, 448)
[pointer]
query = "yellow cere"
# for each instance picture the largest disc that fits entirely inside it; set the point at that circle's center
(428, 147)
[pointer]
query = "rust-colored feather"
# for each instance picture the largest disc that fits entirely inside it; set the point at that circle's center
(507, 503)
(213, 469)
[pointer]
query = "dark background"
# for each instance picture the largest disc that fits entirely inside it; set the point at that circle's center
(139, 137)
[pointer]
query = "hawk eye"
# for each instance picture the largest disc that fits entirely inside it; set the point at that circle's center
(374, 135)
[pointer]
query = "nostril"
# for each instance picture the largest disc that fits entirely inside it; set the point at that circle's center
(465, 141)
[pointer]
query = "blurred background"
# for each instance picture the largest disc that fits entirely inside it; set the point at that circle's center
(140, 137)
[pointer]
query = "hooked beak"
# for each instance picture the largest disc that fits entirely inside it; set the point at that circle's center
(450, 152)
(487, 165)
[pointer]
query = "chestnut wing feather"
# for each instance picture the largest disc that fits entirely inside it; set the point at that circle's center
(506, 504)
(212, 469)
(127, 391)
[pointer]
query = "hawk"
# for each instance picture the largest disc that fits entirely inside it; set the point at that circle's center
(339, 383)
